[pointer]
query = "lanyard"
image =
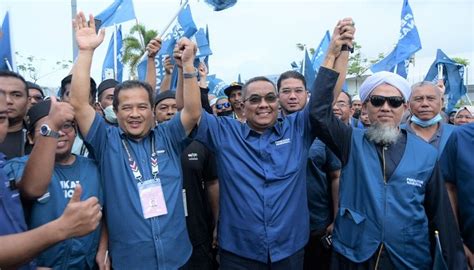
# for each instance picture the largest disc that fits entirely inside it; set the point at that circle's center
(134, 165)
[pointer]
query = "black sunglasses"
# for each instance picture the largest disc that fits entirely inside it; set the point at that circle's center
(257, 99)
(394, 102)
(223, 105)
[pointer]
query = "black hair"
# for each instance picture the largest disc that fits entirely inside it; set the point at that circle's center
(132, 84)
(290, 74)
(256, 79)
(349, 97)
(11, 74)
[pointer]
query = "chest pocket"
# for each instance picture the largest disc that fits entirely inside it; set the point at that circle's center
(285, 159)
(165, 165)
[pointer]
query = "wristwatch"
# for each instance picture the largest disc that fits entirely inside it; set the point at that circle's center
(46, 131)
(347, 48)
(190, 75)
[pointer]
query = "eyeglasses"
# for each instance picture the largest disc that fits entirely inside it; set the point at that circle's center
(341, 104)
(257, 99)
(394, 101)
(68, 127)
(223, 105)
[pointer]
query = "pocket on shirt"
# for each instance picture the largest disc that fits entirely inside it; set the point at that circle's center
(350, 226)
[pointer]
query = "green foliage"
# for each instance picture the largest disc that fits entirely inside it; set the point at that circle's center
(462, 61)
(135, 45)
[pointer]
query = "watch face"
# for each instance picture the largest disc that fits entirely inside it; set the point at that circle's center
(44, 130)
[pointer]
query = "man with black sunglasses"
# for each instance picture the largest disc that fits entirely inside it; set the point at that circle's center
(261, 164)
(391, 197)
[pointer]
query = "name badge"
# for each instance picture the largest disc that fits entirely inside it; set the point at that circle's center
(152, 198)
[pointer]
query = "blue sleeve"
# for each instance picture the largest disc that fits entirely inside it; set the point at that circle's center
(97, 138)
(208, 129)
(448, 159)
(173, 131)
(303, 125)
(14, 168)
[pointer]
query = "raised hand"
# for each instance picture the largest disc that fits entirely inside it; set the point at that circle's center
(186, 51)
(86, 37)
(153, 47)
(80, 217)
(343, 34)
(168, 65)
(59, 114)
(202, 68)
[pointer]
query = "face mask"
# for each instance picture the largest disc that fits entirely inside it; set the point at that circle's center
(225, 113)
(110, 115)
(427, 123)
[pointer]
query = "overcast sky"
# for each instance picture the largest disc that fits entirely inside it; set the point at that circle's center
(255, 37)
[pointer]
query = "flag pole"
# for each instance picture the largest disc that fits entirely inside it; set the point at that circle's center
(304, 60)
(74, 42)
(160, 35)
(8, 64)
(115, 52)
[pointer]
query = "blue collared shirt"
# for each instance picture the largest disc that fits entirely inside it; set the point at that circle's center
(12, 220)
(263, 205)
(135, 242)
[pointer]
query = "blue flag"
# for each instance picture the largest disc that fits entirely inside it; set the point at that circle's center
(141, 69)
(320, 52)
(219, 5)
(160, 71)
(118, 12)
(108, 68)
(216, 85)
(202, 44)
(453, 78)
(408, 44)
(185, 27)
(6, 56)
(294, 66)
(309, 73)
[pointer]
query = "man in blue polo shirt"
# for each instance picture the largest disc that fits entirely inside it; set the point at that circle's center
(20, 246)
(139, 162)
(456, 167)
(264, 219)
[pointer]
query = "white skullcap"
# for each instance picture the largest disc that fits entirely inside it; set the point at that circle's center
(468, 108)
(356, 98)
(384, 77)
(213, 102)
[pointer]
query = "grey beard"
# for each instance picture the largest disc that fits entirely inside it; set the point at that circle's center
(382, 134)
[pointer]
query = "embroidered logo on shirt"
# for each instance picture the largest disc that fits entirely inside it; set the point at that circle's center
(284, 141)
(414, 182)
(193, 156)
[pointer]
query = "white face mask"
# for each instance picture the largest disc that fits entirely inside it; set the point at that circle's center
(110, 115)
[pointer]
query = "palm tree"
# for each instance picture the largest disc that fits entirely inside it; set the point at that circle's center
(134, 47)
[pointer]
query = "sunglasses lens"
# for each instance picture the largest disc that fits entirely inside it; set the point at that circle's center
(255, 99)
(377, 101)
(226, 105)
(395, 102)
(270, 98)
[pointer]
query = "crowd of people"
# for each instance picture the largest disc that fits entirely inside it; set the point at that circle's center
(286, 176)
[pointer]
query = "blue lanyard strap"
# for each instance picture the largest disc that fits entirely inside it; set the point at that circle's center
(134, 165)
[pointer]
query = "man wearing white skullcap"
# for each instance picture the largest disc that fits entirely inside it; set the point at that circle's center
(391, 196)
